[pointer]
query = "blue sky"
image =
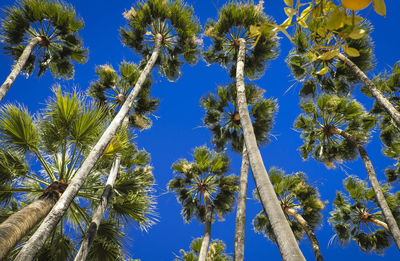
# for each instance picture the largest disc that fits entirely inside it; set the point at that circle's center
(178, 128)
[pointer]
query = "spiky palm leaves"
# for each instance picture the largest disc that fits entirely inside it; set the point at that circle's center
(234, 23)
(111, 90)
(203, 189)
(216, 253)
(335, 129)
(44, 33)
(174, 23)
(356, 216)
(300, 203)
(222, 116)
(59, 138)
(327, 75)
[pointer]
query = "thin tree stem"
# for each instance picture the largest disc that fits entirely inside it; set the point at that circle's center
(32, 246)
(207, 228)
(285, 239)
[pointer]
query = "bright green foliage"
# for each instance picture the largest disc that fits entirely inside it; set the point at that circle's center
(204, 175)
(322, 72)
(293, 193)
(239, 20)
(222, 116)
(215, 252)
(56, 23)
(111, 90)
(318, 122)
(352, 216)
(389, 84)
(176, 24)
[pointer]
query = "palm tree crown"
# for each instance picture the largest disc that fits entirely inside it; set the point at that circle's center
(216, 253)
(57, 26)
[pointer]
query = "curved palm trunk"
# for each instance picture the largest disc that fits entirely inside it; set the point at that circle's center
(394, 114)
(287, 243)
(19, 224)
(379, 223)
(241, 208)
(33, 245)
(310, 233)
(18, 66)
(387, 213)
(98, 215)
(207, 229)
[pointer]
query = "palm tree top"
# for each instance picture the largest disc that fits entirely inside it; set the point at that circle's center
(174, 22)
(56, 24)
(222, 115)
(216, 251)
(204, 177)
(319, 124)
(357, 216)
(237, 20)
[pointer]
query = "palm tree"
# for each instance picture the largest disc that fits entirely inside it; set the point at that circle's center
(119, 86)
(222, 118)
(216, 253)
(301, 205)
(170, 31)
(336, 42)
(44, 33)
(203, 189)
(335, 129)
(59, 139)
(236, 46)
(356, 216)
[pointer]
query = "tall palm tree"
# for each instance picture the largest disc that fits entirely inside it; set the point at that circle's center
(119, 86)
(301, 204)
(167, 29)
(331, 45)
(222, 118)
(236, 46)
(59, 138)
(41, 32)
(216, 253)
(357, 216)
(203, 189)
(335, 129)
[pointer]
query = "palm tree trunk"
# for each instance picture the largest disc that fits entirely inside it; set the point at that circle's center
(387, 213)
(310, 233)
(285, 239)
(207, 229)
(380, 98)
(98, 215)
(241, 208)
(18, 66)
(18, 225)
(33, 245)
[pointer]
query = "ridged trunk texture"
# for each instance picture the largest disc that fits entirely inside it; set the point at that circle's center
(380, 198)
(33, 245)
(18, 66)
(19, 224)
(207, 229)
(310, 233)
(241, 208)
(98, 215)
(285, 239)
(380, 98)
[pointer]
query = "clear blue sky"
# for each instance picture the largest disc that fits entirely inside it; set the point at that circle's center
(178, 128)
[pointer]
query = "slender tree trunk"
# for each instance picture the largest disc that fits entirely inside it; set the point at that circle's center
(379, 223)
(98, 215)
(18, 225)
(287, 243)
(387, 213)
(380, 98)
(241, 208)
(310, 233)
(18, 66)
(207, 229)
(33, 245)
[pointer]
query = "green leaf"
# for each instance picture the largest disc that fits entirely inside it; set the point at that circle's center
(323, 71)
(380, 7)
(353, 52)
(328, 55)
(289, 2)
(357, 33)
(289, 11)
